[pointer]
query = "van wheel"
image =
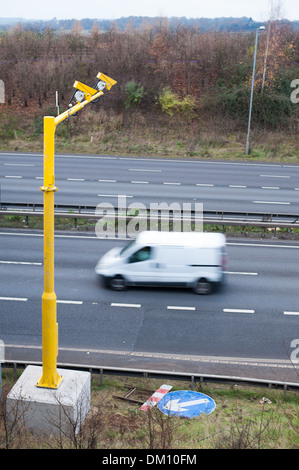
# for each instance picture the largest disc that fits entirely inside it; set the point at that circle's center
(202, 287)
(118, 283)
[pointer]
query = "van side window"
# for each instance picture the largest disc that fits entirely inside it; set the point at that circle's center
(141, 255)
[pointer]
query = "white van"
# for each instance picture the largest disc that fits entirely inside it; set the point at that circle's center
(179, 259)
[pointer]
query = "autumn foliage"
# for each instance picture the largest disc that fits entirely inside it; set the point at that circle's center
(204, 73)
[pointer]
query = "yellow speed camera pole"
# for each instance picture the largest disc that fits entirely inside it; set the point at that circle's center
(50, 377)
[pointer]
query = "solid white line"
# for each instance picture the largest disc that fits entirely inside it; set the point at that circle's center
(14, 298)
(113, 195)
(264, 165)
(235, 310)
(172, 307)
(40, 235)
(125, 305)
(62, 236)
(134, 158)
(100, 157)
(262, 245)
(271, 202)
(139, 169)
(291, 313)
(74, 302)
(20, 262)
(23, 234)
(260, 362)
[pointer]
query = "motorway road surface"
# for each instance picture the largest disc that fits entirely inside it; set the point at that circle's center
(249, 328)
(90, 180)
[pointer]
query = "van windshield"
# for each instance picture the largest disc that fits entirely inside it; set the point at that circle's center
(126, 248)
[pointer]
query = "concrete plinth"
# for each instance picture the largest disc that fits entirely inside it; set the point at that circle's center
(48, 411)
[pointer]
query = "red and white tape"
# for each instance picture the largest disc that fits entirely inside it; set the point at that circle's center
(156, 397)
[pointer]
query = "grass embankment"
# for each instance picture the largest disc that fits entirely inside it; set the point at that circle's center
(137, 134)
(241, 420)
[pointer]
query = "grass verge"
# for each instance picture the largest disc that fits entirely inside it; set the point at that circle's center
(139, 134)
(64, 223)
(242, 419)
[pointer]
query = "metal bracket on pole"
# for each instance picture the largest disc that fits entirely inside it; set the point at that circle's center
(47, 189)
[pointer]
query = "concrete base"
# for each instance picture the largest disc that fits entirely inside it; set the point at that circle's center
(44, 410)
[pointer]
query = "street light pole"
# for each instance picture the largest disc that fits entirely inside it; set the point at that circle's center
(50, 377)
(261, 28)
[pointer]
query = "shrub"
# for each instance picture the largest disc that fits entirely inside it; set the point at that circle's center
(134, 94)
(171, 104)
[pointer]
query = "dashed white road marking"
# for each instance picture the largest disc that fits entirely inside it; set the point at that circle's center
(21, 262)
(270, 187)
(75, 179)
(107, 181)
(125, 305)
(275, 176)
(128, 305)
(17, 164)
(241, 273)
(174, 307)
(19, 299)
(237, 310)
(272, 202)
(139, 182)
(236, 186)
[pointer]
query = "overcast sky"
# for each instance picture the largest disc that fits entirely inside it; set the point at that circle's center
(112, 9)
